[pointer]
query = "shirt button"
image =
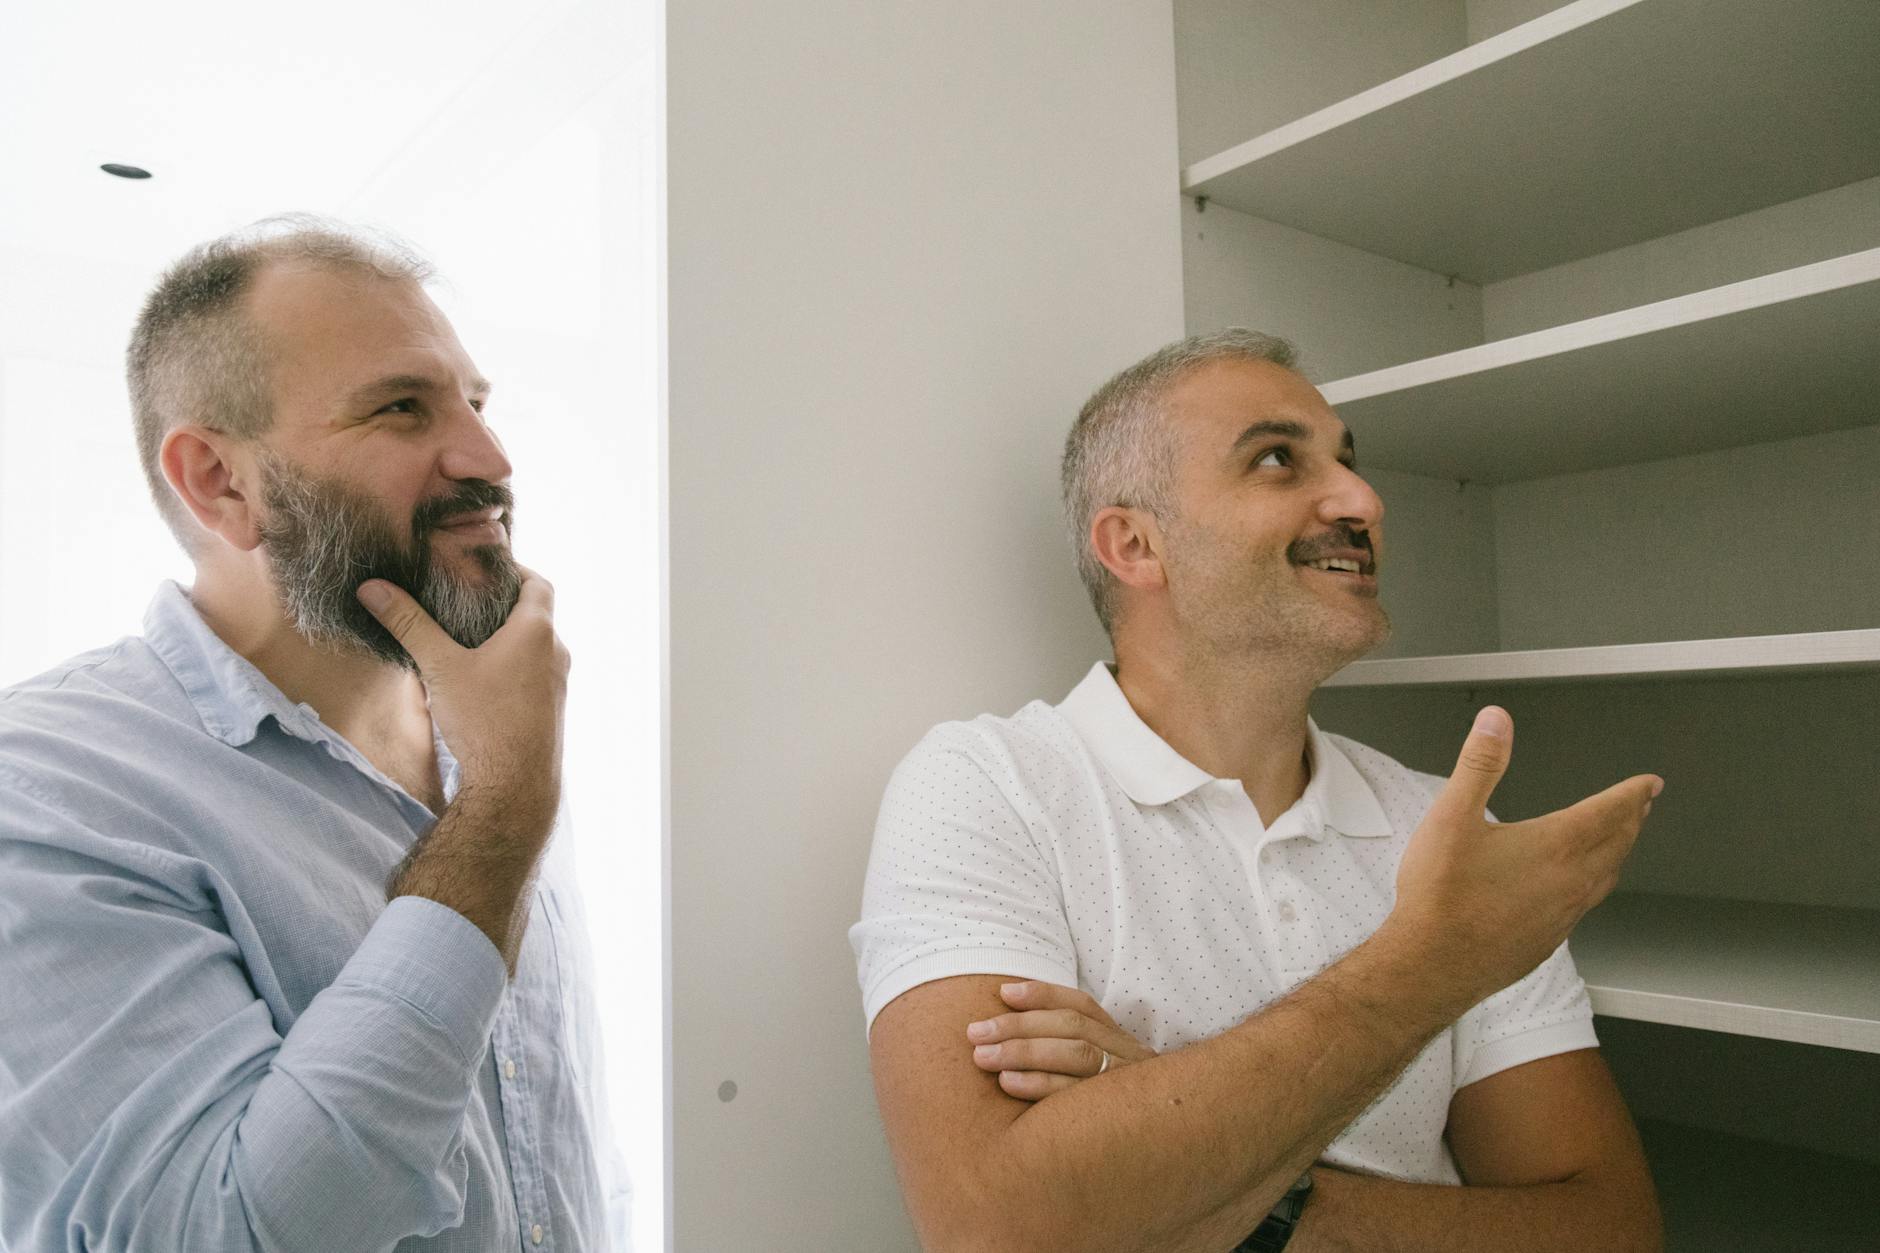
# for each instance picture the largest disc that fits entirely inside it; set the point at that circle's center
(1286, 913)
(535, 1234)
(509, 1072)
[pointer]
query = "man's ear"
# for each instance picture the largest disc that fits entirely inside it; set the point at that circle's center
(210, 475)
(1129, 544)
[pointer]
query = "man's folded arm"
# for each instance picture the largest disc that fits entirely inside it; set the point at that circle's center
(147, 1099)
(1550, 1160)
(1189, 1150)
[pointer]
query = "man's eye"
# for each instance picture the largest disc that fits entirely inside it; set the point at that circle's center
(1274, 457)
(400, 406)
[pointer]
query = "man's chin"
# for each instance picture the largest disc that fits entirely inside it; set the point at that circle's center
(1377, 637)
(1358, 638)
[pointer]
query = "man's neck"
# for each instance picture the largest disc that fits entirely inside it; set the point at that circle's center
(1234, 720)
(378, 707)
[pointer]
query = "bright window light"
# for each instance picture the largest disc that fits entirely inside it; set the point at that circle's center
(518, 147)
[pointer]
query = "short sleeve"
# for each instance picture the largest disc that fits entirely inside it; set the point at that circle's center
(1544, 1013)
(956, 885)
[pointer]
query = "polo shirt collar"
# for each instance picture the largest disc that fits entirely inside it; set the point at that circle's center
(1142, 762)
(1151, 772)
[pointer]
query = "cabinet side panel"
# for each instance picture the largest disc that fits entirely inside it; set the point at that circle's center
(1347, 310)
(1761, 540)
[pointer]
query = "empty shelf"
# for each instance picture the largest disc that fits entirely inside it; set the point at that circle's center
(1783, 355)
(1806, 974)
(1597, 125)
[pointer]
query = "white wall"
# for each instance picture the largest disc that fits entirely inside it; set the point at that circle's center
(905, 242)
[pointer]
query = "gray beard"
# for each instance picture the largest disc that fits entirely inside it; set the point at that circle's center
(324, 539)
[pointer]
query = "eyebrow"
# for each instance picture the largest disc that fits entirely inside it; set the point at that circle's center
(1272, 428)
(394, 383)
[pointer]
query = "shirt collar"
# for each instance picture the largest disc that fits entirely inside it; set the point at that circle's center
(1151, 772)
(231, 696)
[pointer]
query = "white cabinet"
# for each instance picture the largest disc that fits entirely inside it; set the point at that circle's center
(1597, 288)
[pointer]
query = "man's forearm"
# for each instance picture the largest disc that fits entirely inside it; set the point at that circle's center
(480, 860)
(1350, 1213)
(1191, 1149)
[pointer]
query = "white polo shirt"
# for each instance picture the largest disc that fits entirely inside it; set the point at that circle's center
(1073, 844)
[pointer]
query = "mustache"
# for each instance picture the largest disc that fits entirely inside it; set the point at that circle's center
(470, 496)
(1340, 536)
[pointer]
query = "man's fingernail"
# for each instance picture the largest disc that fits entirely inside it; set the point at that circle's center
(372, 594)
(1012, 989)
(979, 1030)
(985, 1052)
(1658, 785)
(1492, 721)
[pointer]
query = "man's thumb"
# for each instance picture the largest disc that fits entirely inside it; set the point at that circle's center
(1482, 762)
(398, 613)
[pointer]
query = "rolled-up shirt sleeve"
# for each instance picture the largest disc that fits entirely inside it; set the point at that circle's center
(1545, 1012)
(956, 883)
(148, 1099)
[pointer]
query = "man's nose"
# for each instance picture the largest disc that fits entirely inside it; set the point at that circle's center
(472, 450)
(1351, 499)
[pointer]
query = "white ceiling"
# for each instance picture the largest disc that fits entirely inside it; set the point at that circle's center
(239, 109)
(447, 123)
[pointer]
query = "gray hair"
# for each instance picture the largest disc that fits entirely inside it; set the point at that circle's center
(195, 357)
(1122, 451)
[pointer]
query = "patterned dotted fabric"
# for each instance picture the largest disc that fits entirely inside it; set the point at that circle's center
(1073, 844)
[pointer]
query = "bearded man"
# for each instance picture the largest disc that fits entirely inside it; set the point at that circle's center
(291, 958)
(1164, 966)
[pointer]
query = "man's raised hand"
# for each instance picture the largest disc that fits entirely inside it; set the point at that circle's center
(1489, 901)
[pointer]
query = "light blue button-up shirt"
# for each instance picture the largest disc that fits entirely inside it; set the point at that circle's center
(214, 1031)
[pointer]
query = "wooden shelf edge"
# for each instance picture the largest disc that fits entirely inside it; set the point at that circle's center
(1799, 283)
(1819, 651)
(1551, 25)
(1795, 1026)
